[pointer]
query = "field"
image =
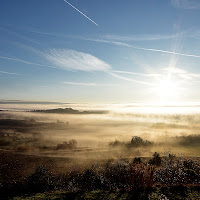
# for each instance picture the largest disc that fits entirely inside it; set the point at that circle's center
(98, 156)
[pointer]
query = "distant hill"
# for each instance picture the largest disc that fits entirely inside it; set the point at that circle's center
(70, 111)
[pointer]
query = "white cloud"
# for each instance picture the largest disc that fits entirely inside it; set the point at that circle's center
(194, 34)
(182, 73)
(130, 80)
(80, 84)
(111, 37)
(186, 4)
(10, 73)
(75, 60)
(123, 44)
(141, 37)
(175, 70)
(25, 61)
(88, 84)
(134, 73)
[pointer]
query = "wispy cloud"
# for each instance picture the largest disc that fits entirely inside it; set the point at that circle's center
(141, 37)
(75, 61)
(67, 59)
(49, 33)
(142, 48)
(9, 73)
(123, 44)
(15, 59)
(186, 4)
(26, 62)
(81, 13)
(78, 61)
(130, 80)
(126, 38)
(134, 73)
(182, 73)
(80, 84)
(88, 84)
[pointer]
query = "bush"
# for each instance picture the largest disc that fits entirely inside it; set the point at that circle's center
(135, 142)
(90, 181)
(137, 160)
(156, 160)
(141, 176)
(40, 180)
(188, 164)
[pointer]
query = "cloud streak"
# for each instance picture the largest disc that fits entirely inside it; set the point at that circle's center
(134, 73)
(88, 84)
(141, 48)
(144, 37)
(81, 13)
(67, 59)
(71, 60)
(141, 37)
(130, 80)
(80, 84)
(9, 73)
(78, 61)
(122, 44)
(26, 62)
(182, 73)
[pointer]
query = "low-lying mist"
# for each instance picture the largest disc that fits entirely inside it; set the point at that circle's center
(177, 131)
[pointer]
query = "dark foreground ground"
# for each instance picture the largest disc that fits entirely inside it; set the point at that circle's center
(35, 177)
(176, 192)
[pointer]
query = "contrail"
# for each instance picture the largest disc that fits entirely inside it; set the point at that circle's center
(134, 73)
(16, 59)
(3, 72)
(27, 62)
(164, 51)
(81, 13)
(130, 80)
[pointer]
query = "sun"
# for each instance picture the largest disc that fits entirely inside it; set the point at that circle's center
(166, 88)
(166, 91)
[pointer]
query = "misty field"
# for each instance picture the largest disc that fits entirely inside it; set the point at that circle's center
(99, 154)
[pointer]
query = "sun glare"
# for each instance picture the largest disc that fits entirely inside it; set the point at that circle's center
(166, 88)
(167, 91)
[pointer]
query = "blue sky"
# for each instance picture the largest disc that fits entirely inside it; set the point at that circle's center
(100, 51)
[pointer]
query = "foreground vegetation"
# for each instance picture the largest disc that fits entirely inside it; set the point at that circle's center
(141, 178)
(176, 192)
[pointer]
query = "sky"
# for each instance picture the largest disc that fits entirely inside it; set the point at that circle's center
(100, 51)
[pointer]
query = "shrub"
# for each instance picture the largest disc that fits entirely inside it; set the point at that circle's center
(188, 164)
(137, 160)
(39, 180)
(141, 176)
(90, 181)
(135, 142)
(156, 160)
